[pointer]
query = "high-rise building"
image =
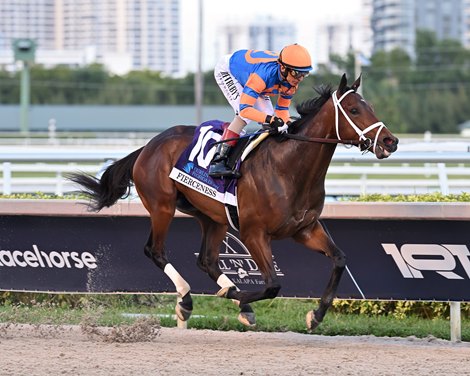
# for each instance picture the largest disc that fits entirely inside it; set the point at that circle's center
(367, 36)
(121, 34)
(261, 34)
(271, 34)
(343, 35)
(395, 22)
(441, 16)
(466, 23)
(27, 19)
(338, 39)
(393, 25)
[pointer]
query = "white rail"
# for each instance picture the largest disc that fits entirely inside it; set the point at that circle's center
(43, 170)
(41, 177)
(403, 179)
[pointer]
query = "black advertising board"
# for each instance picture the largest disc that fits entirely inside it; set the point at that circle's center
(386, 259)
(407, 259)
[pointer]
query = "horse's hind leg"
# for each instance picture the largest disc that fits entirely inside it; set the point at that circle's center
(158, 194)
(208, 260)
(154, 249)
(317, 239)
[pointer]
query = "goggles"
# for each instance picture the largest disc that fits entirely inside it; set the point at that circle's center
(297, 74)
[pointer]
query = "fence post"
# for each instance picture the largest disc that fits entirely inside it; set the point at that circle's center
(7, 178)
(443, 182)
(455, 329)
(363, 184)
(59, 189)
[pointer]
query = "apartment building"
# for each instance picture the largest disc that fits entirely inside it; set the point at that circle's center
(395, 22)
(121, 34)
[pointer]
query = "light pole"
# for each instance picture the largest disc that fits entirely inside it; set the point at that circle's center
(198, 81)
(24, 51)
(358, 70)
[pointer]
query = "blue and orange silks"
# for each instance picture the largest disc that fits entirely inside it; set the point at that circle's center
(258, 72)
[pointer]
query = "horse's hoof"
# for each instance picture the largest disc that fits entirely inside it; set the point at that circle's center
(312, 322)
(222, 293)
(247, 319)
(182, 313)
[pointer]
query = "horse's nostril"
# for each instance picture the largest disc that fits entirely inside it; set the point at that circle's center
(390, 141)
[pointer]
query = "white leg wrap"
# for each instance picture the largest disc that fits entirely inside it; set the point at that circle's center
(182, 287)
(224, 282)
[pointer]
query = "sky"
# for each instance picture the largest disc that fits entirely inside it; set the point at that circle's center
(306, 13)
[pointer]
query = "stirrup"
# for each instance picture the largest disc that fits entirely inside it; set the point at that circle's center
(220, 169)
(220, 166)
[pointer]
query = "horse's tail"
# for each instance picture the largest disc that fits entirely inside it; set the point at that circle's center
(115, 183)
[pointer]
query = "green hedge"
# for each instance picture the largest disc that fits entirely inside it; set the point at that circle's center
(398, 309)
(431, 197)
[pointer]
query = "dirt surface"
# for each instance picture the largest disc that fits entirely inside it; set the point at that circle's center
(75, 350)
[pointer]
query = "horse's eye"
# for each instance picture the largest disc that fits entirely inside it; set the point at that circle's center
(354, 111)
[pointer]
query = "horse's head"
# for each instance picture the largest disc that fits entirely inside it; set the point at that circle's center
(355, 119)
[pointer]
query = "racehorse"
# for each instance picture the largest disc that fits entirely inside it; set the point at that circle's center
(280, 194)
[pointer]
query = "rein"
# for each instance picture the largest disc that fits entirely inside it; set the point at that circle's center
(302, 138)
(327, 140)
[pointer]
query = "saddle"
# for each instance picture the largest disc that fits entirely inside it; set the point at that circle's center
(244, 146)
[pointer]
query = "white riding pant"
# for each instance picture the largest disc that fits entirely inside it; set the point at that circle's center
(232, 90)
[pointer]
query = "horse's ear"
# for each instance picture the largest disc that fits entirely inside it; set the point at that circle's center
(342, 84)
(357, 83)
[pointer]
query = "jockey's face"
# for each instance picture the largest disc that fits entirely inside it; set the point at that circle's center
(293, 77)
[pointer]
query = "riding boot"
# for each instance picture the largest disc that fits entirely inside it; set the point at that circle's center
(220, 166)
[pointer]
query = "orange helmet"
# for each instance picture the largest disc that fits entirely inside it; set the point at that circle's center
(296, 57)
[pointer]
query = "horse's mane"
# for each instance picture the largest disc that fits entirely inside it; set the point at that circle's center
(310, 107)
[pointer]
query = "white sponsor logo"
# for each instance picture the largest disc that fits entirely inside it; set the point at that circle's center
(39, 259)
(412, 259)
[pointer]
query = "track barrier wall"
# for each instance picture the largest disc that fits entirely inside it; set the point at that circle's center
(399, 251)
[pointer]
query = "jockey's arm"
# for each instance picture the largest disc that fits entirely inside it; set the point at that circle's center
(282, 107)
(251, 92)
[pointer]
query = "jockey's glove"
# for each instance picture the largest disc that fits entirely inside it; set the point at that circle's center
(276, 125)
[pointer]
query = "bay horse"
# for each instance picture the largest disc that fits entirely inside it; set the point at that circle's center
(281, 194)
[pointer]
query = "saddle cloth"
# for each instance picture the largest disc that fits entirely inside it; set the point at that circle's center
(192, 168)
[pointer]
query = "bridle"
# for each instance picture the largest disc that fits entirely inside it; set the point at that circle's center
(360, 133)
(363, 141)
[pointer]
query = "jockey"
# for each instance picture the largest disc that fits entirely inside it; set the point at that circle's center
(248, 78)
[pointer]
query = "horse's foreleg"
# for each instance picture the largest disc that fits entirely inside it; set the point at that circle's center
(208, 261)
(317, 239)
(184, 307)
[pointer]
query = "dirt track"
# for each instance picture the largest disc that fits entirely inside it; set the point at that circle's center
(68, 350)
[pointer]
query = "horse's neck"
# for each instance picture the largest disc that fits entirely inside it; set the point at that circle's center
(305, 162)
(319, 154)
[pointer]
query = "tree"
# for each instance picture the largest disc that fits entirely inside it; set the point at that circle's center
(430, 91)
